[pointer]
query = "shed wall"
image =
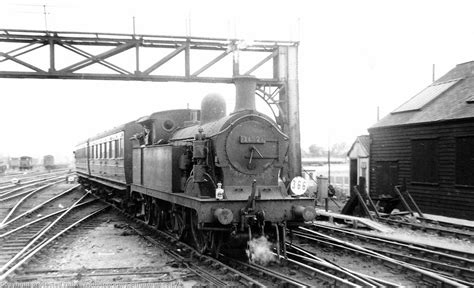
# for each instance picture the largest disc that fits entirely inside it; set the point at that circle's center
(444, 198)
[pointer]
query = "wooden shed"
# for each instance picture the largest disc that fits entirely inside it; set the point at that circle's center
(428, 144)
(359, 161)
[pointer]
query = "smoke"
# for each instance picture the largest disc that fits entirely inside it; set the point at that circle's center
(259, 251)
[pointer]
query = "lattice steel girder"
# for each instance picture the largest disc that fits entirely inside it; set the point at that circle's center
(279, 90)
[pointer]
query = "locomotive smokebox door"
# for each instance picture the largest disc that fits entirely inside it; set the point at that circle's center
(252, 147)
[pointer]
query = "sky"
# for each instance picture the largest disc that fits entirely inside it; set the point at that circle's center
(354, 57)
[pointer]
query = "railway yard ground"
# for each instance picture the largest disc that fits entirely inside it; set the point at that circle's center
(75, 239)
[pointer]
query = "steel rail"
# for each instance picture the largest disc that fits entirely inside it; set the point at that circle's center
(337, 280)
(4, 224)
(194, 269)
(273, 274)
(412, 246)
(364, 280)
(444, 268)
(41, 219)
(47, 228)
(30, 184)
(437, 230)
(46, 242)
(356, 248)
(28, 176)
(170, 238)
(15, 207)
(329, 264)
(16, 195)
(446, 224)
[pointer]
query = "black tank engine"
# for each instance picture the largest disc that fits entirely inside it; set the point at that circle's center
(211, 178)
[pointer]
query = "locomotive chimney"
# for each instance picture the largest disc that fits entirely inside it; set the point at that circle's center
(245, 92)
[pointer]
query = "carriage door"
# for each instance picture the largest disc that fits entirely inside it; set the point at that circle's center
(88, 157)
(386, 178)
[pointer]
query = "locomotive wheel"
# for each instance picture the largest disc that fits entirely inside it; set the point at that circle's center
(159, 215)
(175, 223)
(148, 210)
(199, 238)
(215, 240)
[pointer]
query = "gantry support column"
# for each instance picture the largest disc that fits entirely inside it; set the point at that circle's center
(286, 70)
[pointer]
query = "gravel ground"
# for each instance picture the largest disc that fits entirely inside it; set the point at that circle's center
(112, 245)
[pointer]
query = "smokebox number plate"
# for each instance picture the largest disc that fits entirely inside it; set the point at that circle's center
(252, 139)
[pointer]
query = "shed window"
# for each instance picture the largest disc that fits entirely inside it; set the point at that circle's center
(465, 160)
(424, 153)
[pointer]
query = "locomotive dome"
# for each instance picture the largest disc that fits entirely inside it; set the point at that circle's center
(212, 108)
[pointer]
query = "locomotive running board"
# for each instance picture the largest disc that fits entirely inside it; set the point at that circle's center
(205, 206)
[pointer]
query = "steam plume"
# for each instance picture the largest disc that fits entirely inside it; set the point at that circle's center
(260, 251)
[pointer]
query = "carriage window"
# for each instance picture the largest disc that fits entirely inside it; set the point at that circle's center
(96, 151)
(111, 152)
(105, 150)
(117, 148)
(121, 147)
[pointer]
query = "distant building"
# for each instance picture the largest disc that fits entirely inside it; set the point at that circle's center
(314, 167)
(428, 144)
(359, 161)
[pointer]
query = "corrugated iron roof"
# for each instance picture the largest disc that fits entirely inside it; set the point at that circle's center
(450, 104)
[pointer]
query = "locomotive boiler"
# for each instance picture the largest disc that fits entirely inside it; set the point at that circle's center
(213, 179)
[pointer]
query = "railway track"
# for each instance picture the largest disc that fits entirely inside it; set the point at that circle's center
(209, 270)
(14, 209)
(22, 243)
(295, 271)
(6, 181)
(334, 272)
(21, 189)
(441, 228)
(432, 272)
(301, 269)
(214, 272)
(454, 263)
(457, 256)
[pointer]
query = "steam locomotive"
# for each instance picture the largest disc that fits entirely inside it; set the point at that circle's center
(213, 179)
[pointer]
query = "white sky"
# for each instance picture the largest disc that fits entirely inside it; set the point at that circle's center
(354, 56)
